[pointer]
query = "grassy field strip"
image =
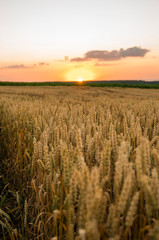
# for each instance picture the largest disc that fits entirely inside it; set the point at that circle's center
(124, 84)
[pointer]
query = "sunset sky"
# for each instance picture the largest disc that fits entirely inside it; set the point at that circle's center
(64, 40)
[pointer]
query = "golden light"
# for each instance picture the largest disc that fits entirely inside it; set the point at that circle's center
(80, 79)
(85, 74)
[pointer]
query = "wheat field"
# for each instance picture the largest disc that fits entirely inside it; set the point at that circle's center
(79, 163)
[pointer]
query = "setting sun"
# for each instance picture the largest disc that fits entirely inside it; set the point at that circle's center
(80, 75)
(80, 79)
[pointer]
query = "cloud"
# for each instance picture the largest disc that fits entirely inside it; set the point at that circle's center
(133, 52)
(43, 64)
(102, 64)
(78, 59)
(114, 55)
(20, 66)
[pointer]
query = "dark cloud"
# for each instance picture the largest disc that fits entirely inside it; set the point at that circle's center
(79, 59)
(133, 52)
(104, 55)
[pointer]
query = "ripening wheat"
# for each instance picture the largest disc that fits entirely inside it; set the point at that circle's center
(79, 163)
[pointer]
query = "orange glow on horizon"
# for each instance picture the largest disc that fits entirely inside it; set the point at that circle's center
(128, 69)
(80, 79)
(84, 73)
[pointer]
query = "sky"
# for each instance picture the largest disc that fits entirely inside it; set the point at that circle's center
(67, 40)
